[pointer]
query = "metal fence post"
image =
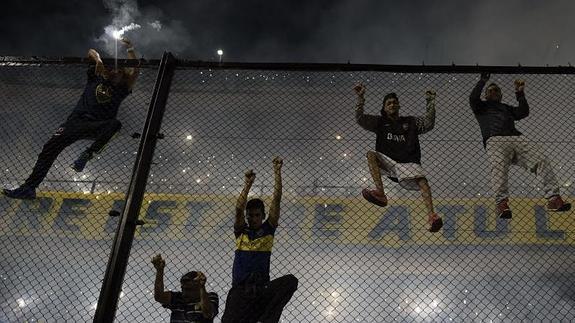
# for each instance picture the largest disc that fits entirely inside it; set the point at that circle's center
(112, 285)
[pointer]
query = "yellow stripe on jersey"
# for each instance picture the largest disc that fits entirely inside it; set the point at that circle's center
(265, 243)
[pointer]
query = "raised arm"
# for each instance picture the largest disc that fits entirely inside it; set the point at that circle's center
(427, 122)
(366, 121)
(208, 310)
(160, 295)
(132, 72)
(522, 110)
(240, 222)
(274, 215)
(475, 96)
(100, 69)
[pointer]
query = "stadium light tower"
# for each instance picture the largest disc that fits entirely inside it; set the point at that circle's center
(220, 54)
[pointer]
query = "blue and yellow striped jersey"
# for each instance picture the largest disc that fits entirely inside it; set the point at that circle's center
(253, 252)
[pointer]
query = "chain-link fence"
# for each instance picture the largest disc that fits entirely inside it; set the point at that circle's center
(55, 247)
(355, 261)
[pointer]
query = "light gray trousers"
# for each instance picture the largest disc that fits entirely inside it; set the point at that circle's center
(503, 151)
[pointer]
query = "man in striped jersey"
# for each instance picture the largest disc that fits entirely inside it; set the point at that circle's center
(253, 297)
(193, 304)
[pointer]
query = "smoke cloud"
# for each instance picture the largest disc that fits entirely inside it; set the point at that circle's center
(486, 32)
(146, 28)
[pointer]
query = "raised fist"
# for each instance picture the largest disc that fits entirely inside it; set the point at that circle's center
(201, 279)
(158, 262)
(278, 162)
(250, 177)
(519, 85)
(359, 89)
(430, 95)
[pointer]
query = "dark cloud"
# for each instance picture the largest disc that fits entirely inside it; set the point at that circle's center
(486, 32)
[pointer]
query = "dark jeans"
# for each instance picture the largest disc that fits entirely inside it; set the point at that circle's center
(251, 303)
(68, 133)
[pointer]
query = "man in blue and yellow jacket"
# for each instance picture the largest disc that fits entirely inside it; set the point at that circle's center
(253, 297)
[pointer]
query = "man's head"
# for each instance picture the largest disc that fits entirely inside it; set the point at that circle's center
(255, 213)
(493, 93)
(189, 282)
(390, 105)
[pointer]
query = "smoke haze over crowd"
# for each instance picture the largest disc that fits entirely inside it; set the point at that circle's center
(487, 32)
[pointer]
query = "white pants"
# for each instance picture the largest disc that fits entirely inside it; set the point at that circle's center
(503, 151)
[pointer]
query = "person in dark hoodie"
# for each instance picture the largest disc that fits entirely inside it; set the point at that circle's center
(505, 145)
(397, 153)
(94, 117)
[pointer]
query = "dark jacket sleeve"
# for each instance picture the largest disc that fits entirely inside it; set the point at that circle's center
(475, 97)
(91, 72)
(522, 110)
(366, 121)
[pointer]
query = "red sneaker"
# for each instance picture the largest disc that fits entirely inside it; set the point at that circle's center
(556, 204)
(436, 223)
(375, 197)
(503, 210)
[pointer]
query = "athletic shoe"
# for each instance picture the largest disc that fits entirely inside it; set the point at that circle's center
(80, 163)
(436, 222)
(21, 193)
(555, 204)
(375, 197)
(503, 210)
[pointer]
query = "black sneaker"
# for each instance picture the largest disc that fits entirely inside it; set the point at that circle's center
(21, 193)
(81, 162)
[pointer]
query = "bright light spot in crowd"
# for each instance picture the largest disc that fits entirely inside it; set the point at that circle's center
(329, 312)
(189, 137)
(338, 137)
(21, 302)
(116, 34)
(220, 52)
(198, 180)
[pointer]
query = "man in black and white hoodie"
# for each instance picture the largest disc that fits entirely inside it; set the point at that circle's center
(506, 146)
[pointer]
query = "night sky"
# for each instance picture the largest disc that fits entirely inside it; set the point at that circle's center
(530, 32)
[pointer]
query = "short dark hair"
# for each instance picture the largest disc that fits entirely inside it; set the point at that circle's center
(189, 276)
(388, 96)
(492, 84)
(256, 204)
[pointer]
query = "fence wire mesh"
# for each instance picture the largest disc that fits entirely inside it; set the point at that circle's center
(355, 261)
(55, 248)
